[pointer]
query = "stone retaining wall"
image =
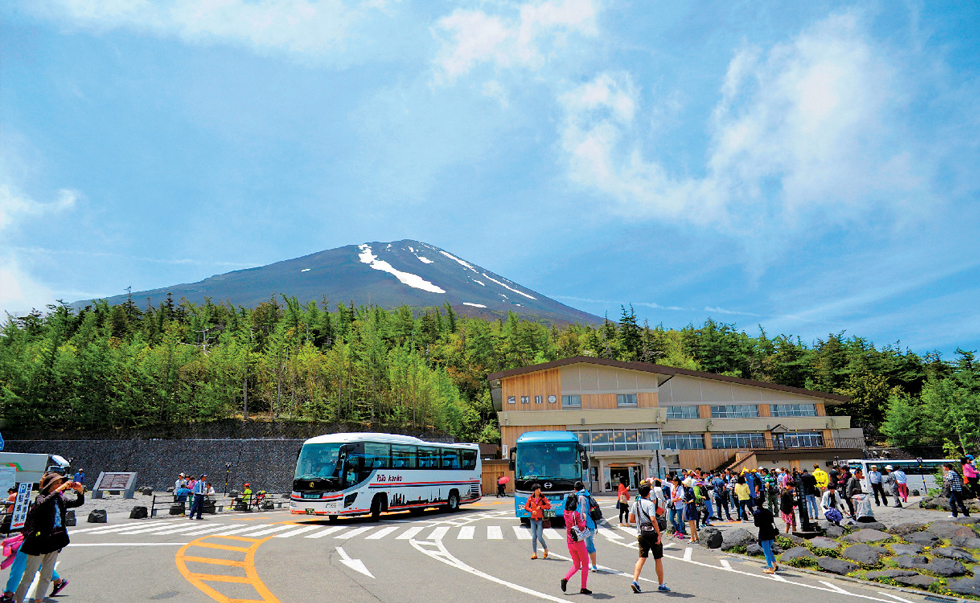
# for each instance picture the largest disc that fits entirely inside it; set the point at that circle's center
(267, 464)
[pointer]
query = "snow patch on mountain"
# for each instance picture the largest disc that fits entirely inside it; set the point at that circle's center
(456, 259)
(305, 270)
(478, 282)
(424, 260)
(474, 305)
(412, 280)
(508, 287)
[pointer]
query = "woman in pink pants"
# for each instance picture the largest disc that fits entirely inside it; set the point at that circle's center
(576, 548)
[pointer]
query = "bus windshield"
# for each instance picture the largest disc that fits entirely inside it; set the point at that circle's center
(548, 461)
(318, 461)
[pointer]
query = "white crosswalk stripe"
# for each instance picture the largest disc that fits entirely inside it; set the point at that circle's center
(382, 533)
(522, 533)
(298, 531)
(203, 530)
(268, 530)
(409, 533)
(466, 533)
(438, 533)
(354, 532)
(494, 533)
(236, 530)
(552, 534)
(325, 532)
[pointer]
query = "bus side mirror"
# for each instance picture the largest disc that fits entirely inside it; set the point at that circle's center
(584, 459)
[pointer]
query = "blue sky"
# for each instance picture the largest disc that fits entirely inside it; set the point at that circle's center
(810, 167)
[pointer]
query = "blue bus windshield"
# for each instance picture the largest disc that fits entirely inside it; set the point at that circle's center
(548, 461)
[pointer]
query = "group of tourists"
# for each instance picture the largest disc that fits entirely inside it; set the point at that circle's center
(34, 551)
(582, 516)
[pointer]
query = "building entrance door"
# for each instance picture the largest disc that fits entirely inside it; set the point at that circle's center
(632, 473)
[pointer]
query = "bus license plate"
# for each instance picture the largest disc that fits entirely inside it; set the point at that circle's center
(309, 511)
(548, 513)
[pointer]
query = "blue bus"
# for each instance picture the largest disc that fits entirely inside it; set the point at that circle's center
(553, 459)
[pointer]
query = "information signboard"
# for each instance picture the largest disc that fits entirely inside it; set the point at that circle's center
(19, 515)
(123, 481)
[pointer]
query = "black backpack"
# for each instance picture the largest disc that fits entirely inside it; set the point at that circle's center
(594, 511)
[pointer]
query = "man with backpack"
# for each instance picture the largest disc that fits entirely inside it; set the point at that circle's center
(643, 515)
(589, 509)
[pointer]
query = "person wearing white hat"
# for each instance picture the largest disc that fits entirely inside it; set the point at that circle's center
(888, 483)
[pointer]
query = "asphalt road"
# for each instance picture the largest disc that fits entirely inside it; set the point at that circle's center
(480, 554)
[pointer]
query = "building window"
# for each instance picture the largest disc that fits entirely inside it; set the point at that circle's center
(683, 412)
(738, 440)
(803, 439)
(625, 399)
(571, 401)
(511, 400)
(539, 399)
(735, 411)
(685, 441)
(525, 399)
(793, 410)
(605, 440)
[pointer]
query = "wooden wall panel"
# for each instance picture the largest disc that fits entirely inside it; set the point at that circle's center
(492, 471)
(764, 410)
(647, 400)
(706, 459)
(821, 409)
(600, 401)
(828, 437)
(704, 410)
(540, 383)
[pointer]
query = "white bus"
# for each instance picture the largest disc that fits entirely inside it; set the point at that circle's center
(919, 472)
(344, 474)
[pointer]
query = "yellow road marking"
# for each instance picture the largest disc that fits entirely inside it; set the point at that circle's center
(199, 580)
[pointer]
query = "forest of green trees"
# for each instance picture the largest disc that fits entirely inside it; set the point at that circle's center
(424, 370)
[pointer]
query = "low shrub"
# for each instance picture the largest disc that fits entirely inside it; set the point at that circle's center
(803, 562)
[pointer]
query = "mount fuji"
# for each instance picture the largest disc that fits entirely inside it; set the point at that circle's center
(389, 275)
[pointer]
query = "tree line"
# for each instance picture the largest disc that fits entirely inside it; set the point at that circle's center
(104, 367)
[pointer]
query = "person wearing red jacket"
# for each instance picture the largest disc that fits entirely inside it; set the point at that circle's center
(536, 505)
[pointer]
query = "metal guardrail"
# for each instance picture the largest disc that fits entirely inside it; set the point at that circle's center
(167, 504)
(835, 444)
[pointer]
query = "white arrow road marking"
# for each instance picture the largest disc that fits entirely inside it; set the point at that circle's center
(355, 564)
(834, 587)
(725, 564)
(894, 597)
(688, 553)
(436, 550)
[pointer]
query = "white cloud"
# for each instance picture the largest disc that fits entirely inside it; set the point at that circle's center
(306, 27)
(810, 131)
(19, 291)
(14, 205)
(473, 37)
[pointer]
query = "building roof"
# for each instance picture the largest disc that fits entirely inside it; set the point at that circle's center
(667, 371)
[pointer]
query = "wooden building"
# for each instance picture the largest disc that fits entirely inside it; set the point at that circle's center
(638, 419)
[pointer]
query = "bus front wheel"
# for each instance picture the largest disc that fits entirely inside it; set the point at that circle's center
(453, 504)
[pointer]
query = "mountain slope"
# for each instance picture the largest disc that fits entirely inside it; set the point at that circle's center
(383, 274)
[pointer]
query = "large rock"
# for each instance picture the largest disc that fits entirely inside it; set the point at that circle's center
(756, 549)
(864, 554)
(906, 549)
(836, 566)
(908, 562)
(942, 567)
(737, 537)
(971, 520)
(916, 580)
(872, 525)
(867, 536)
(711, 538)
(903, 529)
(966, 543)
(922, 538)
(835, 531)
(934, 502)
(892, 573)
(797, 553)
(950, 552)
(824, 543)
(946, 529)
(966, 586)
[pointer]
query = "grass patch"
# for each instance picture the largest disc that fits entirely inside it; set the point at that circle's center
(785, 543)
(739, 548)
(802, 562)
(835, 553)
